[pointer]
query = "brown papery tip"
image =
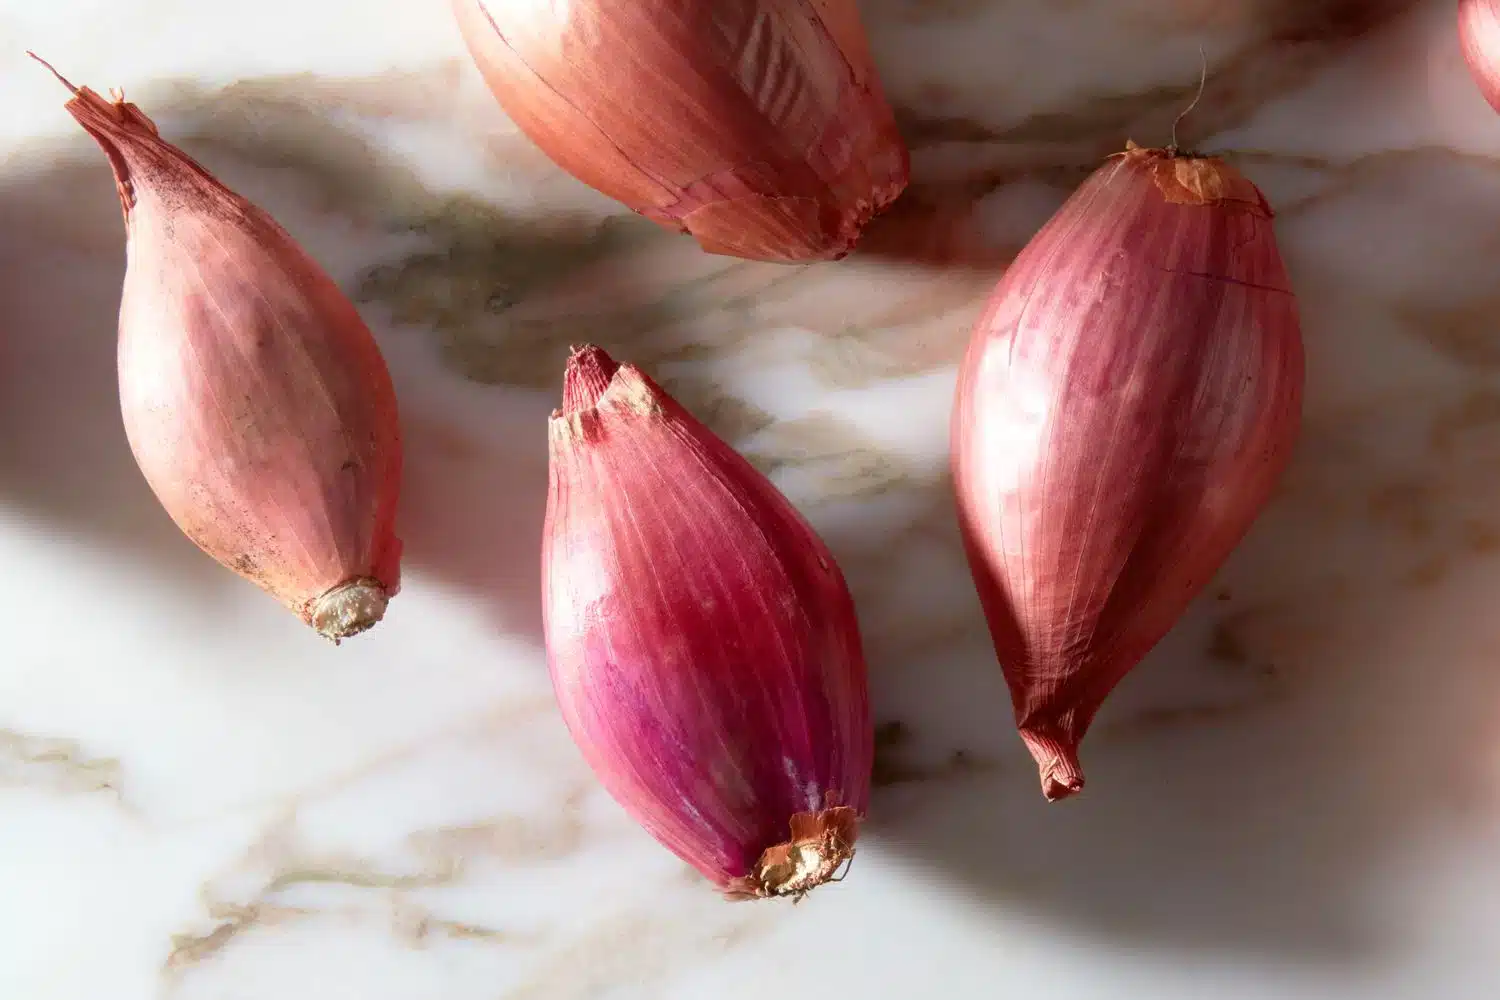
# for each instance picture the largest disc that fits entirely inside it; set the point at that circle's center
(53, 70)
(820, 845)
(590, 370)
(114, 124)
(86, 104)
(349, 609)
(1057, 761)
(1191, 179)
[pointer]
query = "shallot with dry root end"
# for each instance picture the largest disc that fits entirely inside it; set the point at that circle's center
(702, 642)
(254, 398)
(1129, 399)
(1479, 37)
(758, 126)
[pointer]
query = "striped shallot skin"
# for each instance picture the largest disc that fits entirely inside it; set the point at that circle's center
(702, 642)
(758, 126)
(1130, 397)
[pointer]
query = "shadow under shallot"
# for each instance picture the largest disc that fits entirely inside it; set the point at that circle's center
(65, 464)
(937, 228)
(1325, 708)
(474, 497)
(1253, 780)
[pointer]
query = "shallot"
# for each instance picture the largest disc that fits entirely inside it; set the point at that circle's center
(758, 126)
(255, 400)
(1128, 401)
(702, 643)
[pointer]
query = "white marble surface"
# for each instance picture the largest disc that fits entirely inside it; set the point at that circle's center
(1298, 795)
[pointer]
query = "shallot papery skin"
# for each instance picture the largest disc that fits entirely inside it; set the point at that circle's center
(1479, 37)
(702, 642)
(758, 126)
(1129, 399)
(254, 398)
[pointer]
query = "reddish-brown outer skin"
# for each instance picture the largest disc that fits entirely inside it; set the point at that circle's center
(758, 126)
(702, 642)
(254, 398)
(1129, 399)
(1479, 37)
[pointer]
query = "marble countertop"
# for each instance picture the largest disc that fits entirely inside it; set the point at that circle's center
(1297, 795)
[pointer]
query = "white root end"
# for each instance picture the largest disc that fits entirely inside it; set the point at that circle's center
(349, 609)
(821, 844)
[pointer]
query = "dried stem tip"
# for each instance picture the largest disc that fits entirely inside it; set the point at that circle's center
(53, 70)
(1057, 762)
(1191, 179)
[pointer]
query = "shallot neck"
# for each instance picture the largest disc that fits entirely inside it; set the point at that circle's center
(588, 375)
